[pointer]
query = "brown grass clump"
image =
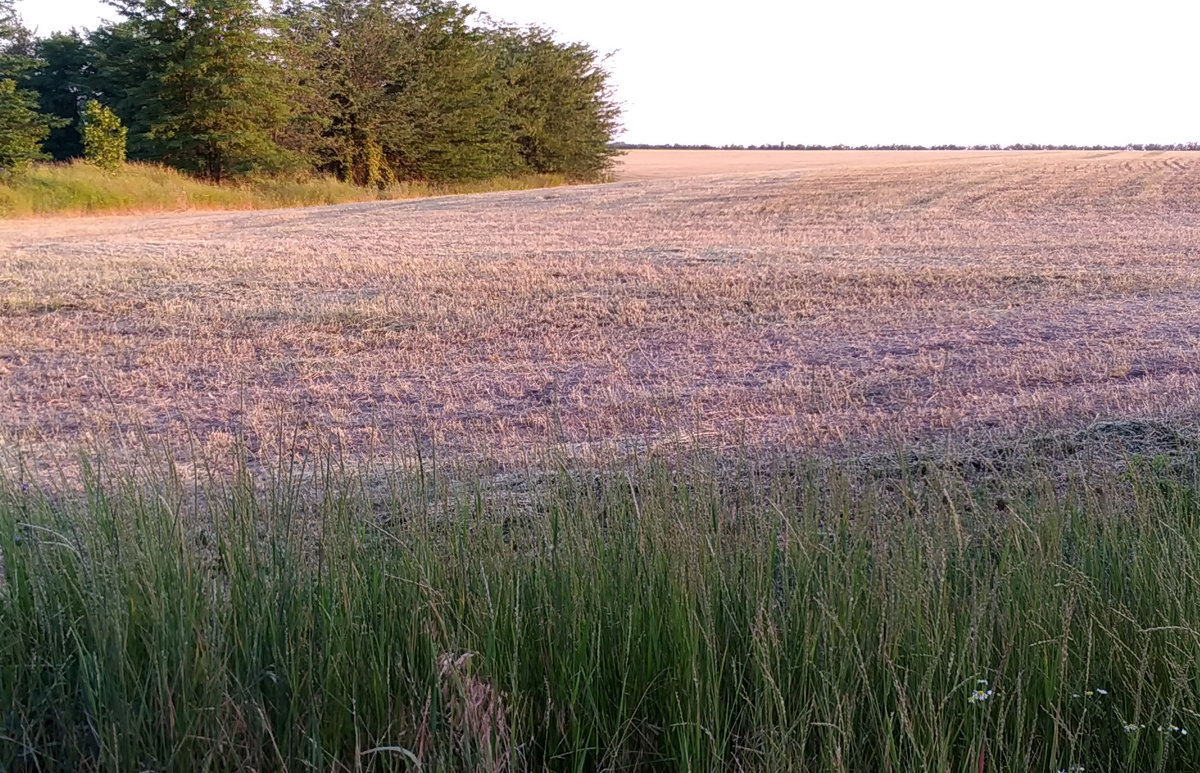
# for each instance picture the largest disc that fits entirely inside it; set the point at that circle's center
(476, 713)
(476, 710)
(903, 299)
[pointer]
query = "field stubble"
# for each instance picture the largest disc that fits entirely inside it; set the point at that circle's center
(833, 304)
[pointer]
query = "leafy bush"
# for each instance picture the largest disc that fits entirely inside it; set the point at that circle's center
(104, 137)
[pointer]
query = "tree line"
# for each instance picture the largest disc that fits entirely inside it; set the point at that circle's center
(369, 91)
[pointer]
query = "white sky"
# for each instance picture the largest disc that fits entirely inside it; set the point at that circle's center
(868, 71)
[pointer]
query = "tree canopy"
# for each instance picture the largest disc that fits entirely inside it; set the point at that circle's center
(371, 91)
(23, 127)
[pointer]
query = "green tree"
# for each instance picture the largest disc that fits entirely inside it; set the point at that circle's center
(409, 89)
(560, 108)
(104, 136)
(120, 65)
(450, 120)
(16, 43)
(305, 132)
(22, 129)
(211, 94)
(63, 79)
(369, 90)
(351, 51)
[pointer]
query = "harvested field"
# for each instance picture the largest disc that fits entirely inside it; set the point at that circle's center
(659, 164)
(852, 302)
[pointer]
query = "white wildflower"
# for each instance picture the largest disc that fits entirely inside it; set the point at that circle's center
(979, 696)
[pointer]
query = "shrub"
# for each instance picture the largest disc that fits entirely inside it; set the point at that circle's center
(104, 136)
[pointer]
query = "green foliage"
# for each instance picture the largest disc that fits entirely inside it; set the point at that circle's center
(22, 129)
(407, 89)
(118, 69)
(104, 136)
(63, 79)
(451, 125)
(371, 91)
(353, 51)
(210, 91)
(561, 111)
(676, 616)
(16, 43)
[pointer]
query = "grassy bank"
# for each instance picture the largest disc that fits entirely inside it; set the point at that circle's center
(685, 616)
(83, 189)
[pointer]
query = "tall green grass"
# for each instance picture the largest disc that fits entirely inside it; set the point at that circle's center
(81, 188)
(673, 616)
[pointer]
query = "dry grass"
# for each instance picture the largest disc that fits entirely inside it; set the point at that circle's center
(895, 298)
(79, 188)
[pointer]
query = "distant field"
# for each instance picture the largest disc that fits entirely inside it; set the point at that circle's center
(658, 164)
(815, 300)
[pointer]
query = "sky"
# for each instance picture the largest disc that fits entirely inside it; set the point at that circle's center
(866, 71)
